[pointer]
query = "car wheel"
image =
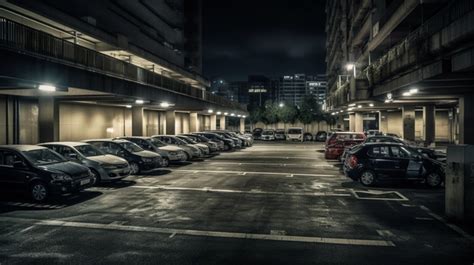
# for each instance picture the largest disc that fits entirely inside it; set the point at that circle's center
(39, 191)
(96, 175)
(166, 162)
(433, 180)
(134, 168)
(367, 178)
(188, 157)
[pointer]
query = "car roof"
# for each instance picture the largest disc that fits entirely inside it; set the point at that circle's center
(133, 137)
(107, 140)
(22, 147)
(389, 143)
(70, 144)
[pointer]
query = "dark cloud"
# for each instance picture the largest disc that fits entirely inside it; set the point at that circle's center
(268, 37)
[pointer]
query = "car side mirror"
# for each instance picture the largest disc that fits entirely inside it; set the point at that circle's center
(19, 164)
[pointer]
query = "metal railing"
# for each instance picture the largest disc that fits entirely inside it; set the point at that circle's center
(20, 37)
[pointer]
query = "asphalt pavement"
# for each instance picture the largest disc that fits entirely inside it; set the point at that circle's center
(273, 203)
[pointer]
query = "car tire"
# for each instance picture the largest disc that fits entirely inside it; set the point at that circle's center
(39, 191)
(433, 180)
(166, 162)
(367, 178)
(134, 168)
(96, 176)
(188, 157)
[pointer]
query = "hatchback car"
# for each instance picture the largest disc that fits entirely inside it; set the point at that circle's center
(169, 154)
(41, 172)
(339, 141)
(213, 146)
(280, 134)
(321, 136)
(139, 159)
(202, 147)
(372, 162)
(105, 167)
(227, 144)
(190, 150)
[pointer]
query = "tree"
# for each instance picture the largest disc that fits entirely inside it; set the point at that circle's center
(255, 115)
(287, 113)
(310, 110)
(270, 115)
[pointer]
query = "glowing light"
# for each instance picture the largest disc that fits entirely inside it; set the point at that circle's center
(413, 90)
(47, 88)
(164, 104)
(210, 111)
(218, 113)
(128, 106)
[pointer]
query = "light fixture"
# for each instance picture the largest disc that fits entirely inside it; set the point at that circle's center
(371, 104)
(333, 113)
(128, 106)
(226, 113)
(387, 101)
(406, 94)
(109, 130)
(352, 105)
(218, 113)
(360, 106)
(210, 111)
(413, 90)
(47, 88)
(350, 109)
(164, 104)
(139, 101)
(341, 111)
(232, 114)
(244, 116)
(350, 66)
(239, 115)
(281, 105)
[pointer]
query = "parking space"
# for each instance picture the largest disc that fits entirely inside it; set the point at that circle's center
(273, 203)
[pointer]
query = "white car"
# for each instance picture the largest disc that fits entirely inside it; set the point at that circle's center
(295, 133)
(268, 135)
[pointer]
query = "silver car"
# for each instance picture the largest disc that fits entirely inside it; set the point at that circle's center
(204, 148)
(191, 151)
(104, 167)
(213, 146)
(169, 153)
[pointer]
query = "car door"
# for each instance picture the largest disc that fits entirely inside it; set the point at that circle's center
(409, 166)
(13, 178)
(383, 164)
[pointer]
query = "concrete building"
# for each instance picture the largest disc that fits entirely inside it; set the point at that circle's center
(72, 71)
(293, 88)
(409, 61)
(317, 88)
(260, 89)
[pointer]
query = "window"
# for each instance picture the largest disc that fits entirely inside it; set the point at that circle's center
(379, 151)
(398, 152)
(8, 158)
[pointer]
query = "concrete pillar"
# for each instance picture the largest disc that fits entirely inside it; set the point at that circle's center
(352, 120)
(170, 122)
(242, 125)
(359, 122)
(408, 116)
(429, 124)
(48, 119)
(340, 122)
(137, 121)
(213, 122)
(466, 120)
(222, 122)
(383, 121)
(193, 122)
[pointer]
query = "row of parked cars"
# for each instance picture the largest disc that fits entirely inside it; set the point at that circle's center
(292, 134)
(67, 167)
(378, 157)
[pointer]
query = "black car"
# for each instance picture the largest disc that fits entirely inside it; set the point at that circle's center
(321, 136)
(257, 133)
(372, 162)
(41, 172)
(139, 159)
(228, 143)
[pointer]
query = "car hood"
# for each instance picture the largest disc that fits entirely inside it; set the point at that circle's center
(70, 168)
(146, 153)
(108, 159)
(202, 145)
(170, 148)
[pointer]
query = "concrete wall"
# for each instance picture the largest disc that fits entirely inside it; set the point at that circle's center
(419, 125)
(84, 121)
(154, 122)
(395, 123)
(3, 121)
(28, 121)
(442, 126)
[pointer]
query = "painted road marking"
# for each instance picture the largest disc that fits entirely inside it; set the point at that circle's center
(452, 226)
(205, 233)
(256, 172)
(276, 164)
(253, 191)
(378, 192)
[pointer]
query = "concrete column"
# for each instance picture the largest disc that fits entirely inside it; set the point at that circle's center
(352, 120)
(383, 121)
(213, 122)
(48, 120)
(359, 122)
(242, 125)
(408, 116)
(340, 122)
(429, 124)
(193, 122)
(171, 122)
(222, 122)
(466, 120)
(137, 121)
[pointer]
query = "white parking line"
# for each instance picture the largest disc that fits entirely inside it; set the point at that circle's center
(275, 164)
(254, 191)
(255, 172)
(204, 233)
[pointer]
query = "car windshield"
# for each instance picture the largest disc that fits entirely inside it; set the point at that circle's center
(131, 147)
(202, 138)
(179, 141)
(88, 150)
(294, 131)
(43, 157)
(267, 133)
(157, 142)
(187, 140)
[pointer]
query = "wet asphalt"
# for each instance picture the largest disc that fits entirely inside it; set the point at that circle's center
(273, 203)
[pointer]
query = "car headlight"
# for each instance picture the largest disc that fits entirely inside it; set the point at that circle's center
(61, 177)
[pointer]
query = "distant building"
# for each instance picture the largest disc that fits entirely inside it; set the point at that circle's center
(222, 88)
(260, 89)
(293, 88)
(241, 90)
(317, 87)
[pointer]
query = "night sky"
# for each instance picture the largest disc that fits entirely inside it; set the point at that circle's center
(269, 37)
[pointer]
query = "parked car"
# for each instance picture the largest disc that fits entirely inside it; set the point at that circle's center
(295, 134)
(248, 137)
(204, 148)
(190, 150)
(339, 141)
(213, 146)
(321, 136)
(103, 166)
(372, 162)
(237, 142)
(307, 136)
(372, 132)
(280, 134)
(268, 135)
(40, 172)
(246, 142)
(169, 154)
(257, 133)
(139, 159)
(227, 144)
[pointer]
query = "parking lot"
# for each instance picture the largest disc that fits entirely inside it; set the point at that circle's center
(273, 203)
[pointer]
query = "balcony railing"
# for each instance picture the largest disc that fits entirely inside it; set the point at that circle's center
(20, 37)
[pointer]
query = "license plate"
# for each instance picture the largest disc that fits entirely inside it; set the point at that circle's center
(85, 181)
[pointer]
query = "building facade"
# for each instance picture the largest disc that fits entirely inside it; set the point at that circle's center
(403, 59)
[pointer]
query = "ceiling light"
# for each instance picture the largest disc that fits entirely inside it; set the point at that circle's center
(47, 88)
(350, 66)
(128, 106)
(244, 116)
(226, 113)
(164, 104)
(371, 104)
(210, 111)
(139, 101)
(232, 114)
(360, 106)
(239, 115)
(281, 105)
(352, 105)
(413, 90)
(349, 109)
(406, 94)
(218, 113)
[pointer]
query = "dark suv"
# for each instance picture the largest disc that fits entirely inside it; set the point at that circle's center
(41, 172)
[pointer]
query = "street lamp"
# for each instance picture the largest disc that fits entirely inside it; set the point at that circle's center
(281, 105)
(351, 67)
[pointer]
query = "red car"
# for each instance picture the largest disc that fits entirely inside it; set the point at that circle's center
(339, 141)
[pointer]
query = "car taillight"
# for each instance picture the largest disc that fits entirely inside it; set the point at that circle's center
(353, 161)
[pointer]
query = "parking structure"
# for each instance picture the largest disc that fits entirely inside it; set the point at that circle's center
(272, 203)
